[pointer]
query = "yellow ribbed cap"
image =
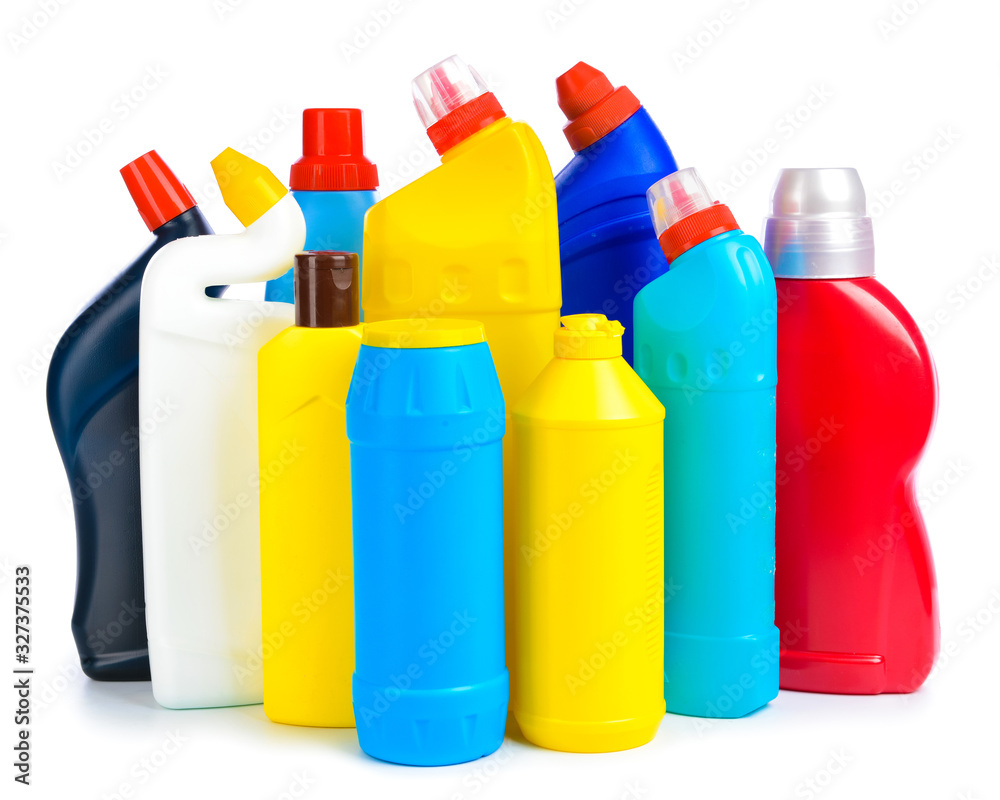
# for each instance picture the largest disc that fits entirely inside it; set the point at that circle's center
(248, 188)
(420, 333)
(589, 336)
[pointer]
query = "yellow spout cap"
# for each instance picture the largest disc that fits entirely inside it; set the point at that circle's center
(248, 188)
(589, 336)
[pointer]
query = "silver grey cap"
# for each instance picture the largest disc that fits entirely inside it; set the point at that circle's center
(818, 226)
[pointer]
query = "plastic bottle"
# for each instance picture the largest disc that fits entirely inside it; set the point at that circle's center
(307, 592)
(856, 596)
(425, 417)
(705, 344)
(200, 510)
(93, 405)
(476, 238)
(334, 185)
(606, 240)
(589, 539)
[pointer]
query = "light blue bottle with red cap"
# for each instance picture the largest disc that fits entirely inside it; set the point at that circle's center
(606, 242)
(706, 345)
(334, 185)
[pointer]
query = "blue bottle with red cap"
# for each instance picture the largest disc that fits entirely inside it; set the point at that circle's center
(93, 401)
(606, 240)
(334, 185)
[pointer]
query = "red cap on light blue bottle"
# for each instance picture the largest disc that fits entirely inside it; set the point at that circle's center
(333, 153)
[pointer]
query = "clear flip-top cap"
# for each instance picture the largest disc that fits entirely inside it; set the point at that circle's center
(677, 196)
(818, 226)
(444, 87)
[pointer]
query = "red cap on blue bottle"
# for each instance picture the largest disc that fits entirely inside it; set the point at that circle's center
(333, 153)
(592, 105)
(156, 191)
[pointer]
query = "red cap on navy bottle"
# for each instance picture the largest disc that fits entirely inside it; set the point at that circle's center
(454, 103)
(592, 105)
(684, 213)
(333, 153)
(156, 191)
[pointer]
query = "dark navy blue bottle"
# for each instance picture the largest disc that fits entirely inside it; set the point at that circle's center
(93, 405)
(606, 240)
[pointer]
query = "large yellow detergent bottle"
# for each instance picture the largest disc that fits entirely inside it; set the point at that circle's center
(307, 590)
(587, 674)
(475, 238)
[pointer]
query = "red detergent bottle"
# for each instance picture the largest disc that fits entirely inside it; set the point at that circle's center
(855, 592)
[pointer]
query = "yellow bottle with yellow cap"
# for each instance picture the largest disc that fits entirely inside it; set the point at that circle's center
(475, 238)
(587, 675)
(307, 594)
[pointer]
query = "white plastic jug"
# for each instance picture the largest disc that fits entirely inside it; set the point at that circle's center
(198, 443)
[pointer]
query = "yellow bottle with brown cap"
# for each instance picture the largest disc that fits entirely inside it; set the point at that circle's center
(587, 671)
(307, 590)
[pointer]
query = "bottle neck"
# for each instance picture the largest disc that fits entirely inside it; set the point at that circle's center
(820, 249)
(190, 222)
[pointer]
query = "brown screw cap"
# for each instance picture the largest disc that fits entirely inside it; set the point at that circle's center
(327, 291)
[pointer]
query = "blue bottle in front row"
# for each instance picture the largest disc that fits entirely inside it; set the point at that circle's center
(606, 241)
(706, 345)
(334, 185)
(425, 417)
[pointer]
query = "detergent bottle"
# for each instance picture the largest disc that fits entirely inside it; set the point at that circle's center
(475, 238)
(705, 343)
(588, 530)
(334, 185)
(199, 469)
(93, 402)
(606, 240)
(855, 592)
(307, 593)
(425, 417)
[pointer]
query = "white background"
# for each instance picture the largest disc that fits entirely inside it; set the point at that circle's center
(909, 97)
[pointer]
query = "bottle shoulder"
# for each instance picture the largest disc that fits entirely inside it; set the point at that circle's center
(722, 282)
(623, 163)
(857, 328)
(99, 351)
(424, 395)
(297, 352)
(588, 394)
(477, 234)
(498, 168)
(714, 314)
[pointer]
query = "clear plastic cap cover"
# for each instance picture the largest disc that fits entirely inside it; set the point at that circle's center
(444, 87)
(677, 196)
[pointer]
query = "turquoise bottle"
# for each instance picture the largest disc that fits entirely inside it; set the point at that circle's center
(334, 185)
(706, 345)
